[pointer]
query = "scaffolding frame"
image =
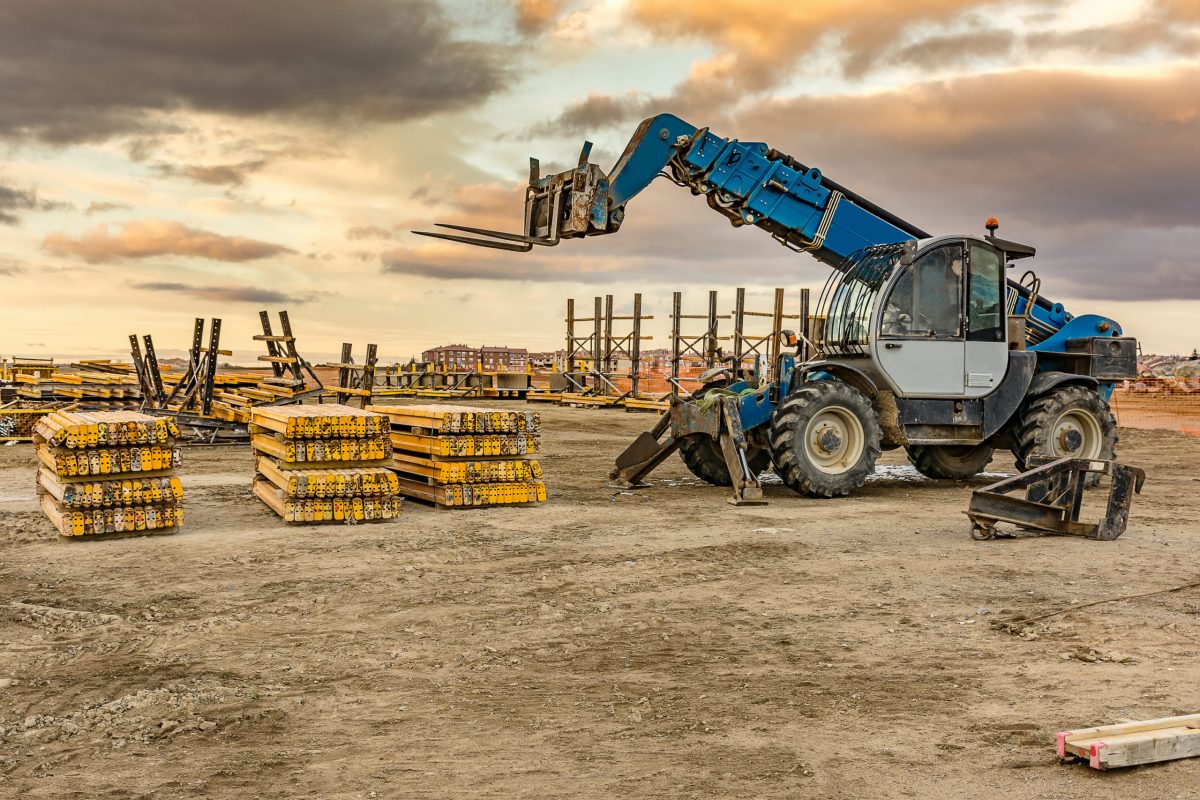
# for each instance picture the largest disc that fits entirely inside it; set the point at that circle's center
(759, 348)
(603, 350)
(704, 346)
(355, 380)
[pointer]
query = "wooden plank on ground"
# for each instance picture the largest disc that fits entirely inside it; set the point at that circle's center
(1129, 743)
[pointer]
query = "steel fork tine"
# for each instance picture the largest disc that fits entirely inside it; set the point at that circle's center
(508, 237)
(516, 248)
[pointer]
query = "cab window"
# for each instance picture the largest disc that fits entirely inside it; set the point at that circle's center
(985, 306)
(926, 300)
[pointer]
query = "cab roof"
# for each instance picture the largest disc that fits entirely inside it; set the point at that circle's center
(1012, 250)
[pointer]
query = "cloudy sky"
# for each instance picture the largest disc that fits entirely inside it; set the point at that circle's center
(161, 161)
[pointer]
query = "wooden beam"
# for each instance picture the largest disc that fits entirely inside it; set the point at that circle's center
(1130, 743)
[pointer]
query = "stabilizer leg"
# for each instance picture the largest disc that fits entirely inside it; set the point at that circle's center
(747, 491)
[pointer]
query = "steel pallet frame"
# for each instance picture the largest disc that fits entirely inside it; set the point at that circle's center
(1053, 498)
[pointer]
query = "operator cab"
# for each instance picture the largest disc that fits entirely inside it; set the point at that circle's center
(940, 326)
(931, 315)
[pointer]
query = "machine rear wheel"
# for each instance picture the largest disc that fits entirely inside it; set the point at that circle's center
(825, 439)
(1070, 422)
(950, 462)
(703, 457)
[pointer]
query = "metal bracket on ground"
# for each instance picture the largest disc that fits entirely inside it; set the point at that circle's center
(1053, 498)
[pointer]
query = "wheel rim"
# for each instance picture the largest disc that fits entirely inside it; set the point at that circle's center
(1076, 434)
(834, 440)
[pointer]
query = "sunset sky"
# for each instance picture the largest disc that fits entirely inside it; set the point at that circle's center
(166, 160)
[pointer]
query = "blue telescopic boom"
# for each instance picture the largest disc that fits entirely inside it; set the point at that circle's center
(747, 182)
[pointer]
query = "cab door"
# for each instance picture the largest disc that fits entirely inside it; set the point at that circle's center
(987, 346)
(920, 344)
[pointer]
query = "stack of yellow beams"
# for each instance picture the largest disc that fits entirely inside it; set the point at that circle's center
(108, 472)
(17, 422)
(459, 456)
(94, 388)
(323, 463)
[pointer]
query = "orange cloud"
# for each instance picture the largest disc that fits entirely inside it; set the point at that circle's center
(496, 204)
(760, 42)
(149, 238)
(534, 16)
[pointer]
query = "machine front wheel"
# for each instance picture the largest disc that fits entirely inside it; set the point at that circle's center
(1069, 422)
(950, 462)
(825, 439)
(703, 457)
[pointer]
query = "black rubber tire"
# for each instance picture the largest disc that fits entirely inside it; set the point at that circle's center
(703, 457)
(1035, 432)
(950, 462)
(789, 451)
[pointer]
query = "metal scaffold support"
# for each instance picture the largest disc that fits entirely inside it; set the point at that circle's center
(605, 364)
(355, 380)
(704, 347)
(583, 351)
(594, 364)
(215, 404)
(755, 355)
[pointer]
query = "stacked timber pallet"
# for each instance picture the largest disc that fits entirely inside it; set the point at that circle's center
(323, 463)
(92, 383)
(460, 457)
(108, 472)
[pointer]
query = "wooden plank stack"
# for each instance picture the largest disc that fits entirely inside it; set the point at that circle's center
(463, 457)
(108, 473)
(323, 463)
(93, 383)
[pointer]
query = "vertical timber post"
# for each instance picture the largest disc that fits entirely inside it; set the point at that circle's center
(775, 349)
(635, 347)
(676, 354)
(569, 362)
(285, 324)
(597, 341)
(609, 357)
(139, 366)
(368, 380)
(711, 343)
(345, 375)
(739, 322)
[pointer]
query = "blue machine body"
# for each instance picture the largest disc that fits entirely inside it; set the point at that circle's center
(751, 184)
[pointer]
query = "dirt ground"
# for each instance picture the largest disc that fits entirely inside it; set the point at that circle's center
(656, 644)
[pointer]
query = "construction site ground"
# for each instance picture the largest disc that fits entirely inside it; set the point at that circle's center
(657, 643)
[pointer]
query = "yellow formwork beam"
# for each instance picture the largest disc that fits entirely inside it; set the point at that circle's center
(338, 509)
(124, 491)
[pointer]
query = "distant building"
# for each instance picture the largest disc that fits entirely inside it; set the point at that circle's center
(503, 359)
(489, 358)
(453, 357)
(656, 360)
(545, 361)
